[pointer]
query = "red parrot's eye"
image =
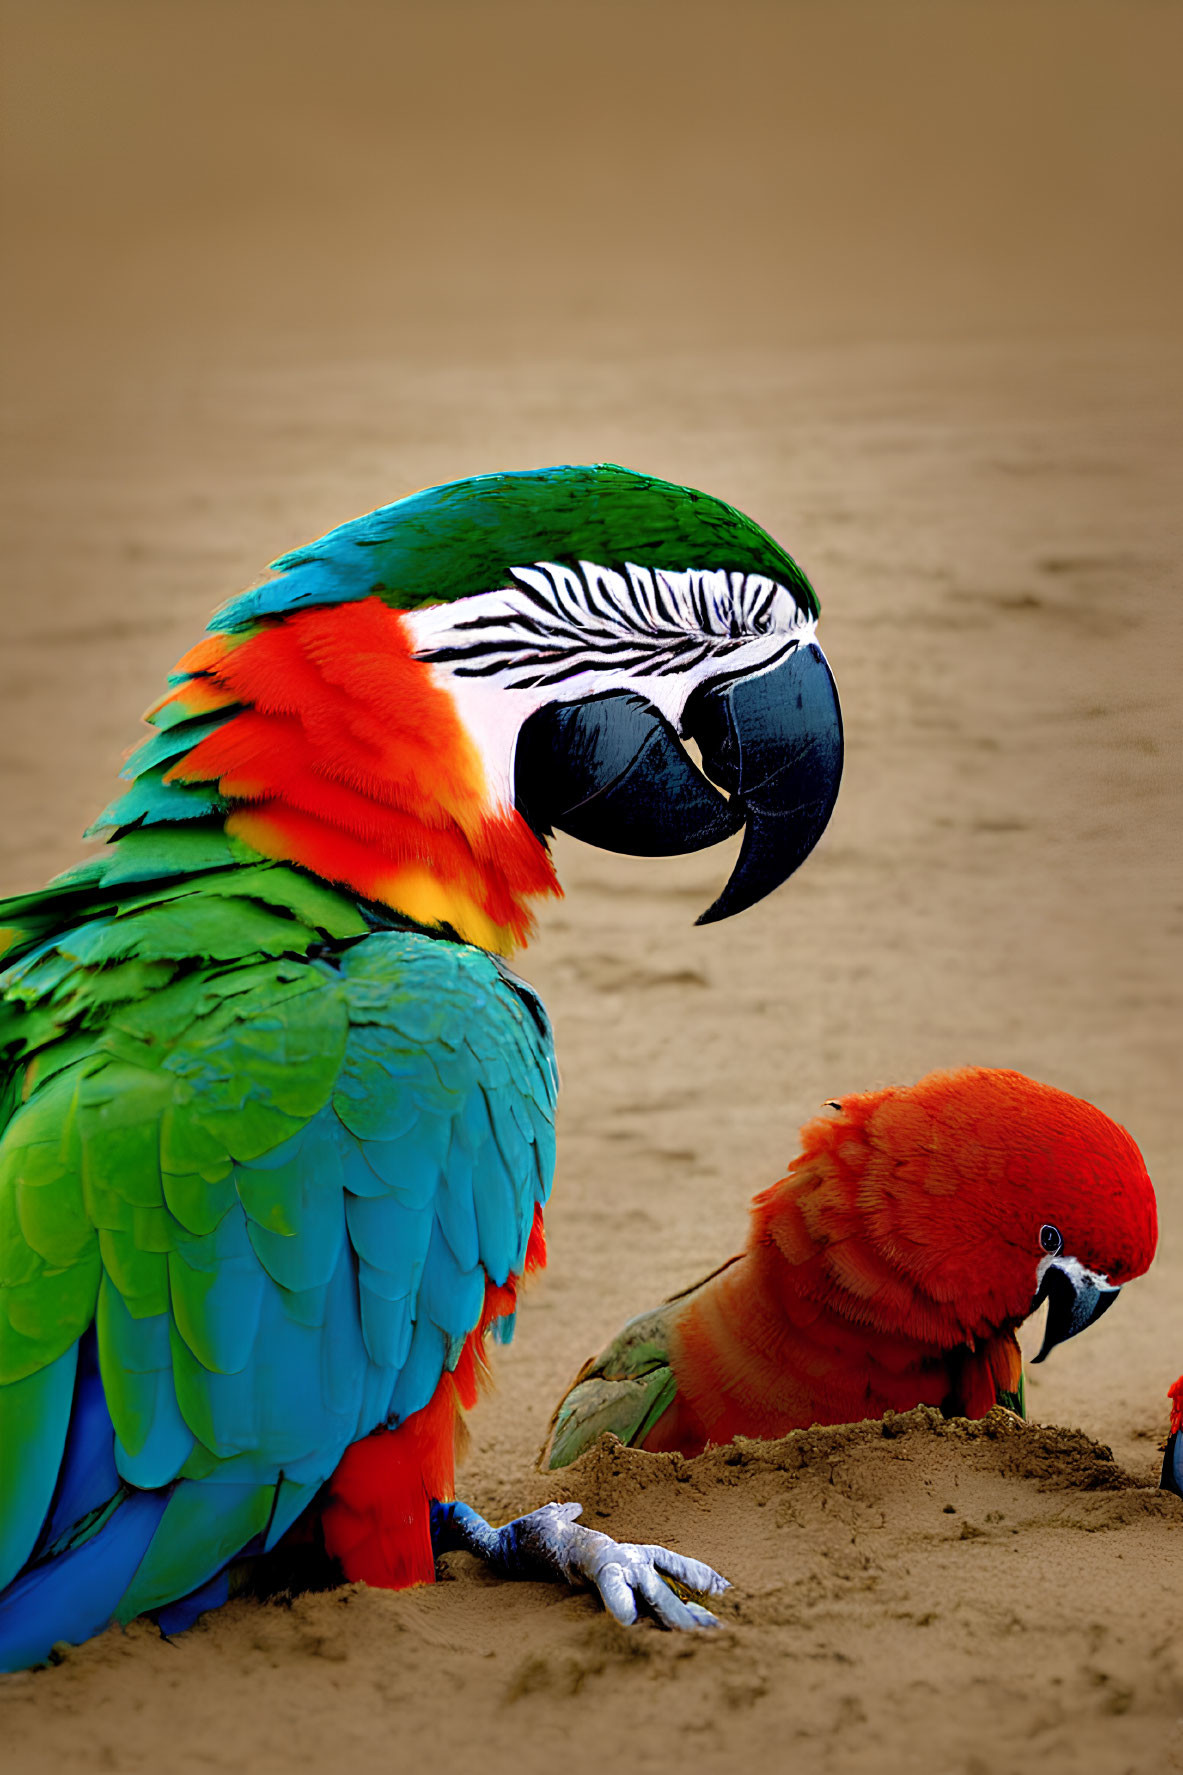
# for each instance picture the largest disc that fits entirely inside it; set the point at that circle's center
(1049, 1238)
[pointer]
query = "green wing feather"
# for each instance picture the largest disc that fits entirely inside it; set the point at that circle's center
(272, 1156)
(1015, 1401)
(625, 1389)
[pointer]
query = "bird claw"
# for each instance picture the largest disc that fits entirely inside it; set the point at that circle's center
(625, 1573)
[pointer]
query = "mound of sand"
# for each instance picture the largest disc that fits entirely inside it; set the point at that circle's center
(955, 1585)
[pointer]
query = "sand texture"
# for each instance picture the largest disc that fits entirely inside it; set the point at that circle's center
(905, 292)
(904, 1593)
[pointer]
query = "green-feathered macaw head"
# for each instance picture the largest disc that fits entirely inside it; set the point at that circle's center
(589, 621)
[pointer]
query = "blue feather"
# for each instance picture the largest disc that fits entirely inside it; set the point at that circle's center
(74, 1595)
(175, 1617)
(88, 1477)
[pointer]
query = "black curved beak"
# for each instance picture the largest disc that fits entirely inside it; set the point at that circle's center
(774, 741)
(1075, 1299)
(612, 771)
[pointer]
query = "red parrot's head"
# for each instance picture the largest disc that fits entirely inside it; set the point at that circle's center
(995, 1193)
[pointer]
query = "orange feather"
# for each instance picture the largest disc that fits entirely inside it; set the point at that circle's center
(350, 758)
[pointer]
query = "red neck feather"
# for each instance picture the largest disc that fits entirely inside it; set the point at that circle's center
(349, 757)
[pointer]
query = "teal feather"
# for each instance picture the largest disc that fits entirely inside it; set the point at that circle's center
(515, 1144)
(216, 1286)
(543, 1126)
(34, 1417)
(451, 1297)
(387, 1316)
(371, 1098)
(390, 1237)
(152, 1439)
(408, 1169)
(345, 1364)
(499, 1218)
(291, 1501)
(305, 1258)
(166, 746)
(420, 1374)
(306, 1306)
(202, 1528)
(297, 1209)
(455, 1210)
(359, 1177)
(279, 1189)
(277, 1198)
(151, 801)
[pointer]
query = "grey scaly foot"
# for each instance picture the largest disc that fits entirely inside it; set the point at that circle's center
(550, 1542)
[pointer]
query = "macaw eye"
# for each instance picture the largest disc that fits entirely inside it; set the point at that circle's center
(1049, 1238)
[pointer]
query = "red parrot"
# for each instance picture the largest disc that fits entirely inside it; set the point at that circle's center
(890, 1268)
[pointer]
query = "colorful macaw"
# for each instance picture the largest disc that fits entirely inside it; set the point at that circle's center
(1172, 1460)
(278, 1121)
(891, 1268)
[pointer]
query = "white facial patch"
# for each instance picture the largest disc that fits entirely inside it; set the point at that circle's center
(560, 634)
(1075, 1272)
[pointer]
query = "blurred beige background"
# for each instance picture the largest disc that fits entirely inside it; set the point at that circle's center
(272, 263)
(903, 281)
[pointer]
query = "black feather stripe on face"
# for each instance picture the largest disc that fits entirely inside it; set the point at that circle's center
(568, 620)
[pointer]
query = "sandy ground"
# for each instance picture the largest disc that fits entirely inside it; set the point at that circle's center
(959, 408)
